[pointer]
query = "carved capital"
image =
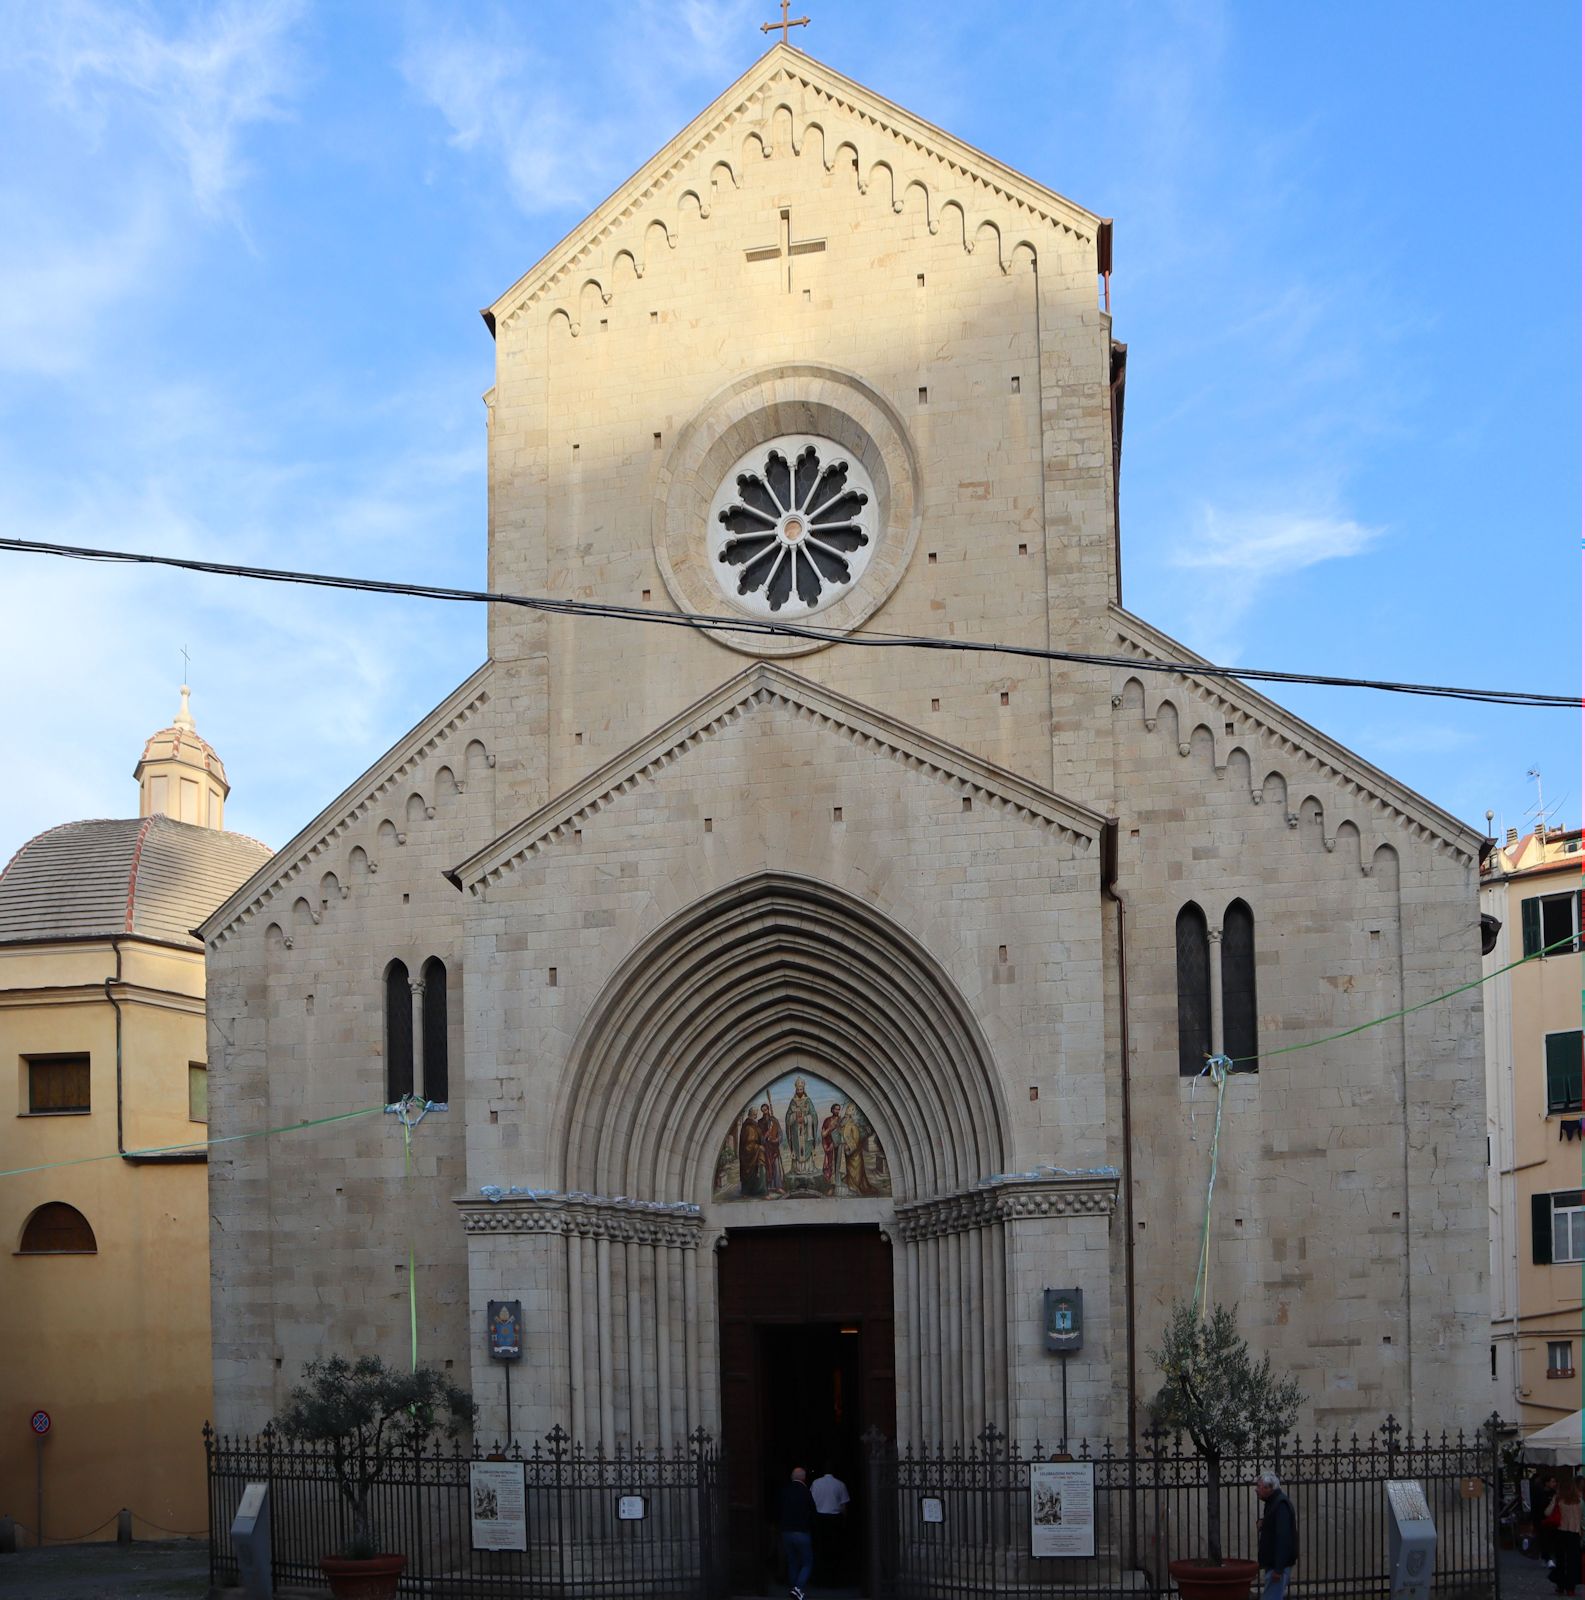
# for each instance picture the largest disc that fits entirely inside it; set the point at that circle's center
(516, 1212)
(1011, 1197)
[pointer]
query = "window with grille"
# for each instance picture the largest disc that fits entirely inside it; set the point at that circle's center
(398, 1032)
(1238, 986)
(1194, 990)
(1563, 1071)
(56, 1229)
(1550, 923)
(436, 1066)
(57, 1085)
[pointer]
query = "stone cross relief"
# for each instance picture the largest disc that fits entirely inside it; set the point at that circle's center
(786, 248)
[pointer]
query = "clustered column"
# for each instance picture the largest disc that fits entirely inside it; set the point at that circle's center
(636, 1320)
(953, 1319)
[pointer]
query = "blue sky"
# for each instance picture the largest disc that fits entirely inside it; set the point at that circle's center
(245, 247)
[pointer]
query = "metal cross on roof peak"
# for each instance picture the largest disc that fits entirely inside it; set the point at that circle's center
(785, 23)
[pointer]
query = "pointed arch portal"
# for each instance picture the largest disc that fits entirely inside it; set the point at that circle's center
(633, 1254)
(769, 967)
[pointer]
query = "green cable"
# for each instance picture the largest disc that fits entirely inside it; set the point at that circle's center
(193, 1144)
(1216, 1070)
(412, 1288)
(344, 1116)
(1376, 1022)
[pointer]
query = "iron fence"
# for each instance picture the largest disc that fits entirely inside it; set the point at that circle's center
(954, 1523)
(579, 1543)
(943, 1523)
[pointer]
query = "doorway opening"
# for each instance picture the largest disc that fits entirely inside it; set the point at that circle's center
(807, 1365)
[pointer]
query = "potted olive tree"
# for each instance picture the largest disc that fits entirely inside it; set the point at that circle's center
(1227, 1402)
(366, 1413)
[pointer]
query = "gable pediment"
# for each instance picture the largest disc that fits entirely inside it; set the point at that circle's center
(788, 103)
(767, 687)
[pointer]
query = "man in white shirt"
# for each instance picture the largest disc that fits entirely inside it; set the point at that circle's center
(831, 1500)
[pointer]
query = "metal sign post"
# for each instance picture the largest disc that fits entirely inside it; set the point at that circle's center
(1064, 1334)
(39, 1422)
(505, 1320)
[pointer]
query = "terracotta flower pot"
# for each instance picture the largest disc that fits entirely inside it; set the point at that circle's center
(1199, 1580)
(373, 1579)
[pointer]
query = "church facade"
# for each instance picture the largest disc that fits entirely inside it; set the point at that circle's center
(800, 1013)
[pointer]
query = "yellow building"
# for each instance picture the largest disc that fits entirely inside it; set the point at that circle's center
(104, 1279)
(1536, 1126)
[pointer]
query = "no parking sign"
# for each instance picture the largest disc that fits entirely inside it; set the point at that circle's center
(39, 1422)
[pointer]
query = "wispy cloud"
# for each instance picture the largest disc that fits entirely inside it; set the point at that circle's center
(503, 102)
(58, 282)
(121, 136)
(499, 103)
(195, 87)
(1237, 557)
(304, 672)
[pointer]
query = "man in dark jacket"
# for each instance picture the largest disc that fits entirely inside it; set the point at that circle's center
(1279, 1537)
(796, 1518)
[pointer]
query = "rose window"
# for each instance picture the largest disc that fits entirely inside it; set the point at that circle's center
(793, 527)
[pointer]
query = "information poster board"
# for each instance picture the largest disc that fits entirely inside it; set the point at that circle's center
(1062, 1508)
(498, 1506)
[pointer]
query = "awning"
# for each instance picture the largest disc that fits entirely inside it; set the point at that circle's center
(1558, 1443)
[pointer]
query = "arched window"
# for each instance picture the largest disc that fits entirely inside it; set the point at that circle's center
(58, 1230)
(1194, 991)
(1238, 986)
(398, 1032)
(436, 1072)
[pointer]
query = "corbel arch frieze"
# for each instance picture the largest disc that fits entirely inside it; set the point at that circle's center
(1189, 719)
(336, 828)
(777, 135)
(797, 109)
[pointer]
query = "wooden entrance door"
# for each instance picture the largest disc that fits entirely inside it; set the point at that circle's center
(807, 1365)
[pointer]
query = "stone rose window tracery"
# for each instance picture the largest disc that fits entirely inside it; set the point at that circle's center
(793, 527)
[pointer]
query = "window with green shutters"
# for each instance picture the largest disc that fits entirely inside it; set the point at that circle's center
(1563, 1071)
(1550, 922)
(1557, 1227)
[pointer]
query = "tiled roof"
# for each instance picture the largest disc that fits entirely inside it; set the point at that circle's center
(147, 876)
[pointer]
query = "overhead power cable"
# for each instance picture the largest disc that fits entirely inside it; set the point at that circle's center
(766, 628)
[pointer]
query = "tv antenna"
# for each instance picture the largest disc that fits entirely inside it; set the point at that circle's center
(1542, 814)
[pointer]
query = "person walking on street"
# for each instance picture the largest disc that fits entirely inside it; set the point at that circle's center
(1566, 1575)
(1279, 1537)
(831, 1498)
(796, 1518)
(1543, 1491)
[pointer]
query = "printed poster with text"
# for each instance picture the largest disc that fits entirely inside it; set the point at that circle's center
(1062, 1508)
(497, 1504)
